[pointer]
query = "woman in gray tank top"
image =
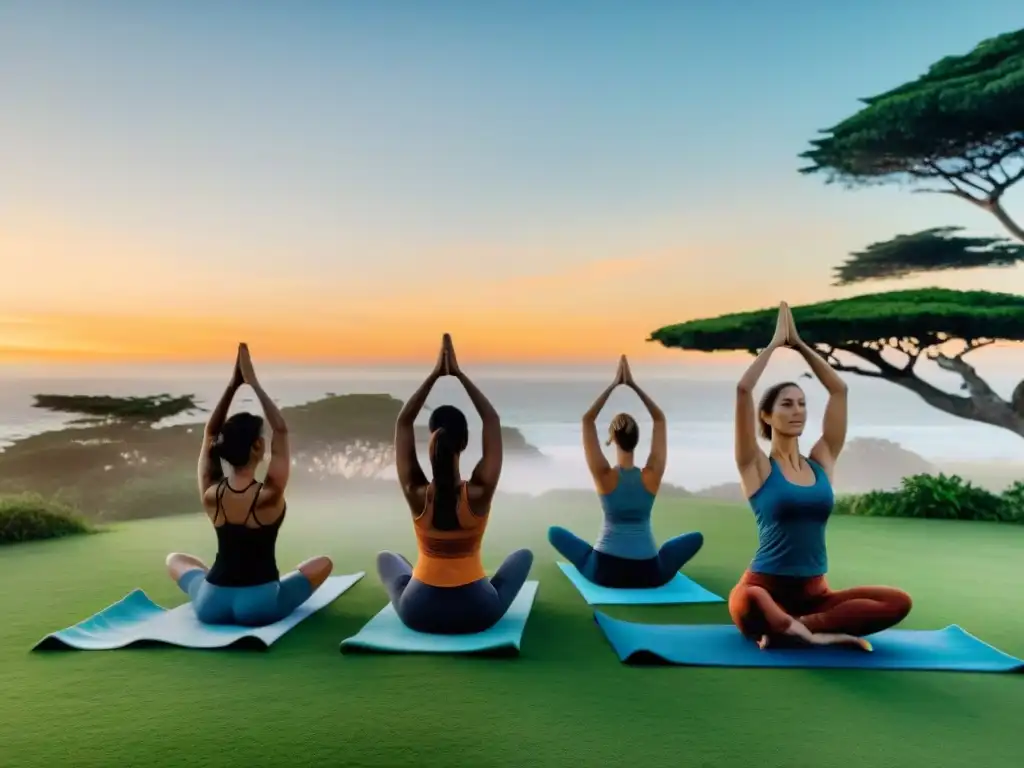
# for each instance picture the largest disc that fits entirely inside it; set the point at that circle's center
(626, 554)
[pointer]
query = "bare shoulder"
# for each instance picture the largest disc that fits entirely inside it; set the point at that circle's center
(270, 503)
(822, 456)
(651, 480)
(210, 495)
(416, 497)
(607, 481)
(754, 475)
(479, 497)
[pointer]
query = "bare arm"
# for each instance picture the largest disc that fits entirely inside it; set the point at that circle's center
(658, 457)
(488, 469)
(280, 465)
(410, 473)
(834, 423)
(596, 461)
(746, 447)
(209, 469)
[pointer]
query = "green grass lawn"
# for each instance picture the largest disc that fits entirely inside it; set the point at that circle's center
(566, 701)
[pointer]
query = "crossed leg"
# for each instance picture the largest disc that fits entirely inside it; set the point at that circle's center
(840, 617)
(510, 577)
(178, 564)
(677, 552)
(395, 573)
(859, 611)
(755, 612)
(570, 546)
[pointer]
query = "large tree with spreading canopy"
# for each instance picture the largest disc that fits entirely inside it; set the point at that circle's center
(885, 336)
(958, 130)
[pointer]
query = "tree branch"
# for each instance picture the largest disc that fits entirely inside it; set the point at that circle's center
(976, 387)
(982, 403)
(1009, 224)
(1017, 400)
(828, 352)
(955, 180)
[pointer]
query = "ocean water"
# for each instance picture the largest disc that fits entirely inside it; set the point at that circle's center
(545, 404)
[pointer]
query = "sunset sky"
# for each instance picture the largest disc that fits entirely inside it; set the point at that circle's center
(346, 181)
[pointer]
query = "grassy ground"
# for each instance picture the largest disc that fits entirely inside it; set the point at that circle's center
(566, 701)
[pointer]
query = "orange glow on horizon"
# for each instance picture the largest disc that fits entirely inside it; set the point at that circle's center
(379, 340)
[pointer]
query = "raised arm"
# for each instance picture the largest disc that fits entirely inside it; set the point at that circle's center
(280, 465)
(488, 470)
(833, 428)
(209, 469)
(410, 473)
(750, 459)
(658, 457)
(597, 462)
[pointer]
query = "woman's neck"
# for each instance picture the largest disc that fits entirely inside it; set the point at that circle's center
(786, 450)
(625, 460)
(240, 478)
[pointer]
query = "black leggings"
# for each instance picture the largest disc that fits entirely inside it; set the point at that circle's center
(464, 610)
(623, 573)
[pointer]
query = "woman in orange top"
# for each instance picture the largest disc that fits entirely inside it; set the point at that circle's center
(448, 592)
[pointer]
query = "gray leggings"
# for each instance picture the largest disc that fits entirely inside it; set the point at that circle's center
(464, 610)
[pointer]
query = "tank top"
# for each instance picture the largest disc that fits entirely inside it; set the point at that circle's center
(626, 531)
(791, 524)
(449, 558)
(246, 556)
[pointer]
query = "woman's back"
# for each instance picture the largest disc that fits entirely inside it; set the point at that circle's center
(247, 523)
(626, 531)
(449, 557)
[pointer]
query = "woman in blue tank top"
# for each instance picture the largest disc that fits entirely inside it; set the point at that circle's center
(625, 554)
(783, 596)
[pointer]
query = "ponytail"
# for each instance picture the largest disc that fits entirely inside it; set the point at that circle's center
(442, 465)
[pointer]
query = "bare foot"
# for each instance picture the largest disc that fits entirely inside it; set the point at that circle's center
(178, 563)
(795, 635)
(850, 641)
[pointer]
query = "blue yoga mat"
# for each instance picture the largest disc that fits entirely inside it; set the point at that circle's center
(385, 633)
(722, 645)
(137, 619)
(680, 590)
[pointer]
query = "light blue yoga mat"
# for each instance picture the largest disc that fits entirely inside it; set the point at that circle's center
(681, 589)
(722, 645)
(137, 619)
(385, 633)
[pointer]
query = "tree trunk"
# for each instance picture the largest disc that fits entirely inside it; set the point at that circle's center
(982, 404)
(1008, 223)
(999, 414)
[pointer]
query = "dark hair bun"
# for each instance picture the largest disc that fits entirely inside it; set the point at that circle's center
(237, 438)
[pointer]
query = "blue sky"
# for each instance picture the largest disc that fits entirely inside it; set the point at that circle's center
(397, 152)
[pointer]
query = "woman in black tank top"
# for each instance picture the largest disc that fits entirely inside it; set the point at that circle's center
(244, 586)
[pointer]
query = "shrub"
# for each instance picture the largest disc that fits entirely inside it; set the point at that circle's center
(940, 497)
(1014, 499)
(29, 517)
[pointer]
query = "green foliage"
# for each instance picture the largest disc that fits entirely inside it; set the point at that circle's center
(938, 497)
(105, 408)
(965, 113)
(925, 315)
(1014, 498)
(30, 517)
(931, 250)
